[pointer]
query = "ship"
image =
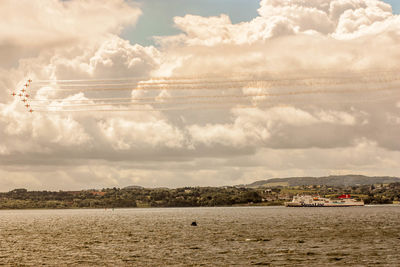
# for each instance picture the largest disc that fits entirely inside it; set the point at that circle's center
(317, 201)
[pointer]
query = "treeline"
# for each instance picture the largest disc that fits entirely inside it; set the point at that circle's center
(188, 196)
(128, 198)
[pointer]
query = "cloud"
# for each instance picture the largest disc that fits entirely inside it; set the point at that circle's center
(63, 52)
(289, 36)
(226, 135)
(278, 127)
(29, 27)
(363, 156)
(339, 19)
(125, 134)
(324, 72)
(112, 58)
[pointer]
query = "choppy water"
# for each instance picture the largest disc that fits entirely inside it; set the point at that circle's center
(244, 236)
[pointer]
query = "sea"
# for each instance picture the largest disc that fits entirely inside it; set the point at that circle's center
(224, 236)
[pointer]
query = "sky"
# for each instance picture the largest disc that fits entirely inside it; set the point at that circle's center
(164, 11)
(196, 93)
(395, 5)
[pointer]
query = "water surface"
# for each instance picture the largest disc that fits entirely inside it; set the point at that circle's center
(239, 236)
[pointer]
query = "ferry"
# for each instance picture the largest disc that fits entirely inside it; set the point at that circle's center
(316, 201)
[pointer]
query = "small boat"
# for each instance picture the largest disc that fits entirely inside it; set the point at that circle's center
(316, 201)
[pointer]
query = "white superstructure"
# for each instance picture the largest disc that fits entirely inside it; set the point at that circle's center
(316, 201)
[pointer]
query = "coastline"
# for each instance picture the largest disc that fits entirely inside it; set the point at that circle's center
(188, 207)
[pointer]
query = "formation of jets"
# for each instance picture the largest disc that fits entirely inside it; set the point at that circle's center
(24, 96)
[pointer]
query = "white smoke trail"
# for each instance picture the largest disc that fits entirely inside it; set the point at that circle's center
(368, 81)
(247, 95)
(226, 85)
(203, 107)
(277, 76)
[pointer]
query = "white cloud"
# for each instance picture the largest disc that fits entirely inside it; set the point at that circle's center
(337, 117)
(126, 134)
(29, 27)
(63, 131)
(266, 128)
(340, 19)
(226, 135)
(112, 58)
(289, 133)
(363, 156)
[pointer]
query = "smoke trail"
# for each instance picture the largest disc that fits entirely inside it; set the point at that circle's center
(150, 109)
(226, 85)
(278, 75)
(222, 83)
(204, 107)
(142, 103)
(198, 104)
(188, 83)
(247, 95)
(323, 80)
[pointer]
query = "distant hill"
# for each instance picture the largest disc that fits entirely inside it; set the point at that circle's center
(333, 180)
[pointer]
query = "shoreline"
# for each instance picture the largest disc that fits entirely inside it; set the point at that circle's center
(191, 207)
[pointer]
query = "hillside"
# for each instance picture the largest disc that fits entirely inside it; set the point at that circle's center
(333, 180)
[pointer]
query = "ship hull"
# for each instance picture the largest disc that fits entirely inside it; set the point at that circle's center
(316, 205)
